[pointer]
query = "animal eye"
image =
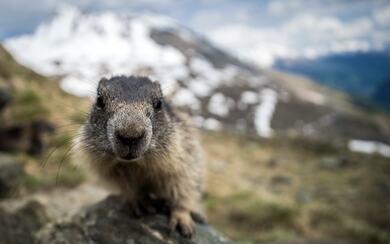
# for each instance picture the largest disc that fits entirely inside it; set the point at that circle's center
(99, 102)
(157, 104)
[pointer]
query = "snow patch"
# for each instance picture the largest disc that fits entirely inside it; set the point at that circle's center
(209, 123)
(78, 86)
(264, 112)
(249, 97)
(212, 124)
(198, 121)
(369, 147)
(206, 69)
(208, 77)
(185, 97)
(219, 105)
(200, 87)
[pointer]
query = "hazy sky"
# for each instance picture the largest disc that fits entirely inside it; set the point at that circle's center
(257, 30)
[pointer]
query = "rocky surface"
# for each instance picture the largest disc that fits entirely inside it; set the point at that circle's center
(73, 216)
(18, 225)
(4, 98)
(11, 171)
(109, 221)
(22, 217)
(24, 135)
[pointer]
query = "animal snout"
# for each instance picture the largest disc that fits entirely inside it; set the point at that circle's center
(130, 140)
(130, 134)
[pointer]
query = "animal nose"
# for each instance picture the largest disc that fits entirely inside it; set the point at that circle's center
(130, 140)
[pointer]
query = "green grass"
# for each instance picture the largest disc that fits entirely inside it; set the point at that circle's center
(36, 98)
(249, 211)
(244, 215)
(9, 68)
(66, 176)
(27, 106)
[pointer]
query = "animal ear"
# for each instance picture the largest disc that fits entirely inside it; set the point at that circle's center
(101, 82)
(104, 79)
(157, 85)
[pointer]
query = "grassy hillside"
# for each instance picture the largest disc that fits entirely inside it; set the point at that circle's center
(37, 98)
(280, 189)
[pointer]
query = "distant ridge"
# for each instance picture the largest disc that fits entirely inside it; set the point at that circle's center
(358, 74)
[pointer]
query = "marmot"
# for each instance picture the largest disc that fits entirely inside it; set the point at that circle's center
(138, 143)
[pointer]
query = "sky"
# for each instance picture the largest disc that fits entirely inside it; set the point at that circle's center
(258, 31)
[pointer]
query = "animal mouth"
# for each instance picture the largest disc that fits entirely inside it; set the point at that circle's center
(129, 158)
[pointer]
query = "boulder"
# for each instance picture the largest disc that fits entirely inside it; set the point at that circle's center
(11, 172)
(28, 137)
(4, 98)
(281, 180)
(110, 221)
(19, 225)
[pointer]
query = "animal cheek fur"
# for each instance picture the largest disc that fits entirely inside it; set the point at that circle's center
(111, 132)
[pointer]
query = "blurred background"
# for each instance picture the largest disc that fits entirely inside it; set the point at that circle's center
(292, 99)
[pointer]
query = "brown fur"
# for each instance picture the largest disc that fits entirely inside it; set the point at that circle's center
(173, 171)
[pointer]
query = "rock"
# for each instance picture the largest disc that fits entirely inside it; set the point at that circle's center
(20, 225)
(4, 98)
(314, 241)
(333, 162)
(305, 196)
(27, 138)
(384, 187)
(65, 202)
(79, 219)
(11, 171)
(109, 221)
(281, 180)
(272, 162)
(22, 217)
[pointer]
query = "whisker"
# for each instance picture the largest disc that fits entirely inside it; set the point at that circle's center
(68, 125)
(62, 161)
(66, 141)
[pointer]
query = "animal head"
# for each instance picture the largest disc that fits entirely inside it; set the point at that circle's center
(127, 119)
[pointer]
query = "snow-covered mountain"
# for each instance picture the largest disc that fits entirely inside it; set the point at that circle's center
(219, 90)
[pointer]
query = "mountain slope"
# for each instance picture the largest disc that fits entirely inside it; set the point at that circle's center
(276, 190)
(220, 91)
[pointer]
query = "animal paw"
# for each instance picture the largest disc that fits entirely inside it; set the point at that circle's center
(182, 222)
(143, 207)
(198, 218)
(136, 211)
